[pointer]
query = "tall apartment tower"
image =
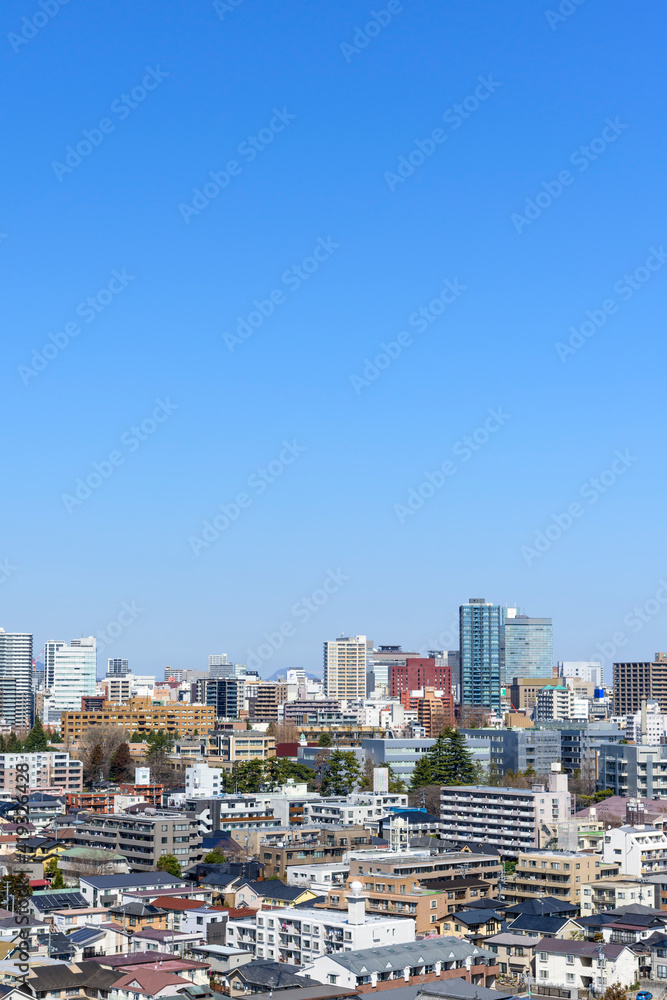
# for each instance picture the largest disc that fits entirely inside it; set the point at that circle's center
(117, 668)
(528, 647)
(16, 699)
(635, 681)
(481, 653)
(71, 674)
(345, 667)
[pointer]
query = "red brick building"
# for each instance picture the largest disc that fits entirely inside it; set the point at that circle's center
(419, 672)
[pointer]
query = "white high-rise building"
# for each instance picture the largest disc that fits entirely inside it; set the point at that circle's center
(71, 673)
(345, 667)
(585, 670)
(16, 704)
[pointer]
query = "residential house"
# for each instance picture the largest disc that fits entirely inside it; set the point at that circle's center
(515, 953)
(584, 965)
(107, 890)
(539, 925)
(474, 923)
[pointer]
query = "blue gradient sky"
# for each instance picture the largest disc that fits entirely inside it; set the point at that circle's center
(323, 176)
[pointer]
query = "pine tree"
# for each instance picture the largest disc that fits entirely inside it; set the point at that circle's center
(57, 882)
(460, 762)
(136, 738)
(422, 773)
(443, 766)
(121, 764)
(14, 744)
(37, 740)
(341, 774)
(169, 863)
(324, 740)
(3, 745)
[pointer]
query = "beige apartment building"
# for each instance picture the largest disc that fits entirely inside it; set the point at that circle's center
(140, 715)
(523, 692)
(555, 873)
(620, 890)
(635, 681)
(345, 667)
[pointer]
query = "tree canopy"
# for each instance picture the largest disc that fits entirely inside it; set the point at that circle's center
(341, 773)
(447, 762)
(169, 863)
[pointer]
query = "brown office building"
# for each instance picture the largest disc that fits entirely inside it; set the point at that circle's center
(635, 681)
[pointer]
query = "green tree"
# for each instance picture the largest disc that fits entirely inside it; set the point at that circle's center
(18, 885)
(95, 763)
(136, 738)
(422, 773)
(121, 764)
(157, 756)
(324, 740)
(395, 783)
(214, 857)
(54, 736)
(169, 863)
(247, 777)
(3, 745)
(341, 774)
(37, 740)
(451, 761)
(159, 740)
(615, 992)
(14, 744)
(57, 882)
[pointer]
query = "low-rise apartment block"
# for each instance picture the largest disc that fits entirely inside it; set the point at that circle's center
(511, 819)
(395, 896)
(143, 839)
(425, 865)
(300, 935)
(638, 850)
(333, 844)
(40, 770)
(554, 873)
(620, 890)
(352, 810)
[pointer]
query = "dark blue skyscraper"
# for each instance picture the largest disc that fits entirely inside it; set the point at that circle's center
(480, 638)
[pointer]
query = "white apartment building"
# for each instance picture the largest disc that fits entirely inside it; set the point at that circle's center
(352, 810)
(117, 688)
(640, 850)
(584, 965)
(345, 667)
(298, 936)
(202, 780)
(512, 819)
(554, 702)
(649, 731)
(70, 672)
(45, 770)
(15, 678)
(585, 670)
(324, 876)
(614, 891)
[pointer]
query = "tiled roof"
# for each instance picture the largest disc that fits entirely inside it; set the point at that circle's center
(397, 956)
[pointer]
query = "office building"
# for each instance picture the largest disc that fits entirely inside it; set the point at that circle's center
(16, 699)
(528, 646)
(225, 695)
(586, 670)
(117, 668)
(523, 692)
(480, 637)
(117, 688)
(635, 681)
(217, 660)
(519, 749)
(345, 667)
(509, 819)
(416, 674)
(71, 674)
(379, 665)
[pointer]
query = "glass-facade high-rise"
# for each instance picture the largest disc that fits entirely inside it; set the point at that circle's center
(480, 638)
(528, 647)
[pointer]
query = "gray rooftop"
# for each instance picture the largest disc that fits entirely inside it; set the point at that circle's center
(415, 953)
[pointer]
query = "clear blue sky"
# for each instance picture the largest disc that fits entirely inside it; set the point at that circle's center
(335, 122)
